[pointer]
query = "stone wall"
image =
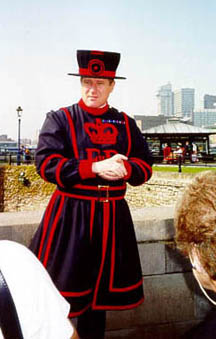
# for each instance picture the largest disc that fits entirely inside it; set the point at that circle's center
(24, 189)
(2, 170)
(21, 189)
(162, 189)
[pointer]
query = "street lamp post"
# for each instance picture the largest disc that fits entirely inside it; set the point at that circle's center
(19, 115)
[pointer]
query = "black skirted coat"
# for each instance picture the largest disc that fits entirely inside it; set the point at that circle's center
(86, 238)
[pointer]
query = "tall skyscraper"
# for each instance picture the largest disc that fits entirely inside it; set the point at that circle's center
(204, 118)
(209, 101)
(184, 102)
(165, 100)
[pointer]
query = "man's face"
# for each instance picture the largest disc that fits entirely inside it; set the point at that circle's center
(95, 91)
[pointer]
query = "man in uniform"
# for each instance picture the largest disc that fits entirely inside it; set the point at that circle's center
(86, 239)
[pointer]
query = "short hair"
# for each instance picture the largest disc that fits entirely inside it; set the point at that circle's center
(195, 220)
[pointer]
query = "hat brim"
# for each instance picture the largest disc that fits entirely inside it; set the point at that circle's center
(89, 76)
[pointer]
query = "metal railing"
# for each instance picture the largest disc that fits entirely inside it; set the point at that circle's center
(11, 159)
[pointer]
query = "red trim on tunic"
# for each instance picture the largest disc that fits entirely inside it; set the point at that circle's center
(106, 220)
(85, 169)
(128, 169)
(93, 110)
(92, 217)
(112, 268)
(76, 314)
(126, 289)
(72, 132)
(128, 133)
(136, 161)
(111, 188)
(46, 222)
(142, 164)
(126, 307)
(45, 162)
(145, 164)
(84, 197)
(75, 294)
(52, 231)
(58, 172)
(111, 288)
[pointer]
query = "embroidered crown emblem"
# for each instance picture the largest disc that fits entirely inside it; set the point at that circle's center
(101, 133)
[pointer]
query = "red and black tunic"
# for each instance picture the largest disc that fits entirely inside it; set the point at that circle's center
(86, 239)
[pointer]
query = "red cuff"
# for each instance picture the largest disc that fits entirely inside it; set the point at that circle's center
(85, 169)
(128, 169)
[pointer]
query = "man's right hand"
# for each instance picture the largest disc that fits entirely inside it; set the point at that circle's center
(112, 168)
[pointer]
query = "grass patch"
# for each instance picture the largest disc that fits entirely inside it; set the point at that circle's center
(185, 169)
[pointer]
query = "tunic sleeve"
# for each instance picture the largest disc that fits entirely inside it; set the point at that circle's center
(139, 164)
(55, 158)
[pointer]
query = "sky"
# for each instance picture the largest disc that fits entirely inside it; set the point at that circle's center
(160, 41)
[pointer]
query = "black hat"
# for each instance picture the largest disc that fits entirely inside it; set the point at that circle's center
(97, 64)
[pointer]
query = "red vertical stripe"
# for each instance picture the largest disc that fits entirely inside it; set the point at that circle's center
(46, 222)
(113, 249)
(142, 164)
(145, 164)
(106, 217)
(92, 217)
(58, 172)
(128, 134)
(111, 288)
(73, 133)
(53, 231)
(44, 164)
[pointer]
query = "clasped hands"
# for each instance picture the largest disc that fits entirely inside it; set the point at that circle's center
(112, 168)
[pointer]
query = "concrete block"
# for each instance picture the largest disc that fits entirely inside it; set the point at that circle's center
(161, 331)
(154, 230)
(20, 218)
(152, 258)
(5, 233)
(175, 261)
(167, 300)
(23, 233)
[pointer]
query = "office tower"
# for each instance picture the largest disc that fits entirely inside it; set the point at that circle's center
(184, 102)
(165, 100)
(204, 118)
(209, 101)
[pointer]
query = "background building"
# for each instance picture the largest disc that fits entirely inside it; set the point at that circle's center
(209, 101)
(204, 117)
(184, 102)
(165, 100)
(147, 121)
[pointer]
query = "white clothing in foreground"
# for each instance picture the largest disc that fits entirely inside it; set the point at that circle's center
(41, 309)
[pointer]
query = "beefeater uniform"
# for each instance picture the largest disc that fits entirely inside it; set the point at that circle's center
(86, 238)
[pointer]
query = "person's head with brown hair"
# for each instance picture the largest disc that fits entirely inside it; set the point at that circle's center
(195, 223)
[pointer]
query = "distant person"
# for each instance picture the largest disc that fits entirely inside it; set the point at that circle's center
(187, 151)
(27, 156)
(195, 223)
(86, 239)
(166, 152)
(42, 311)
(194, 157)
